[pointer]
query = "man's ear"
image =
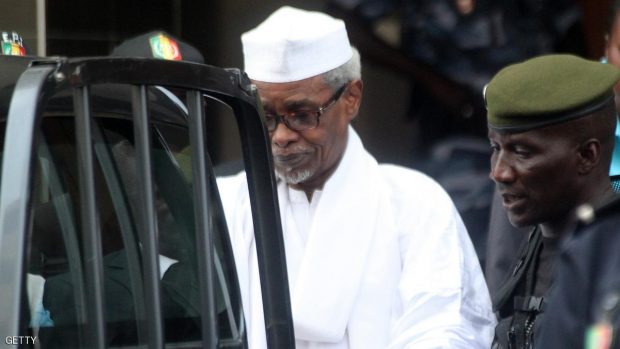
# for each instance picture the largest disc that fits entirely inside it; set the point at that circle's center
(589, 153)
(353, 98)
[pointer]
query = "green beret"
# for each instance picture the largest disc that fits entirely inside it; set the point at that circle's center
(547, 90)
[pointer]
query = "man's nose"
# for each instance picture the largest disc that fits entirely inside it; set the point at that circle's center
(501, 171)
(283, 136)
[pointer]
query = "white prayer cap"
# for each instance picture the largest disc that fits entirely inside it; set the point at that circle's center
(294, 44)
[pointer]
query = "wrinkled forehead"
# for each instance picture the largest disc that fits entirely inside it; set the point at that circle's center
(305, 90)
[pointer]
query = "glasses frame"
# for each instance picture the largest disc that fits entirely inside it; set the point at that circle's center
(318, 113)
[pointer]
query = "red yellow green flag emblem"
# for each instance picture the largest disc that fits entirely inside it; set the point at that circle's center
(599, 336)
(12, 44)
(164, 47)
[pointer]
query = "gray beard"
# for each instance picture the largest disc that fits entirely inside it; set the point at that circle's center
(294, 177)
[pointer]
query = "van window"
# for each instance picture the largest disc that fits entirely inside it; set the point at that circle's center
(55, 274)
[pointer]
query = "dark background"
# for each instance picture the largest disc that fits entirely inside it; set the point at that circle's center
(91, 28)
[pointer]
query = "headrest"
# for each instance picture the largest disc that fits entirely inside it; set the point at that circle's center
(158, 44)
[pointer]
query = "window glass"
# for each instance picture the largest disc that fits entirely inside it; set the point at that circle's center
(227, 297)
(56, 307)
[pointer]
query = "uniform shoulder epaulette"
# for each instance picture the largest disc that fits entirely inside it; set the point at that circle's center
(588, 213)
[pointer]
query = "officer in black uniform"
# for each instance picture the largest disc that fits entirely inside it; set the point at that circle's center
(551, 125)
(502, 243)
(585, 308)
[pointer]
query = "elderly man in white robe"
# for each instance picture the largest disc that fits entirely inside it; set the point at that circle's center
(377, 255)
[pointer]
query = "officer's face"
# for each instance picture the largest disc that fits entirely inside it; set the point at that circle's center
(535, 173)
(305, 159)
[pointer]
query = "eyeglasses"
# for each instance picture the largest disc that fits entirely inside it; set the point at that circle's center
(301, 120)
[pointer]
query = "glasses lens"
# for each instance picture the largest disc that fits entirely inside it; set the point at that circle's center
(271, 122)
(302, 120)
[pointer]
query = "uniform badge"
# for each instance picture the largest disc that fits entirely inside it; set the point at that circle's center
(599, 336)
(164, 47)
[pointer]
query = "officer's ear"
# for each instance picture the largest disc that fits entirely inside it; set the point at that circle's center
(589, 153)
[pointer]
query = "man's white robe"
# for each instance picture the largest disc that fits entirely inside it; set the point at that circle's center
(385, 261)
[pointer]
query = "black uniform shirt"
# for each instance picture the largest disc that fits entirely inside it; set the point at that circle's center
(588, 277)
(546, 266)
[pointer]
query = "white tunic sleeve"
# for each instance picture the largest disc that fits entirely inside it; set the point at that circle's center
(444, 297)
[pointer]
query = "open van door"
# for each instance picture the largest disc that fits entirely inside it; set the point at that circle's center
(111, 227)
